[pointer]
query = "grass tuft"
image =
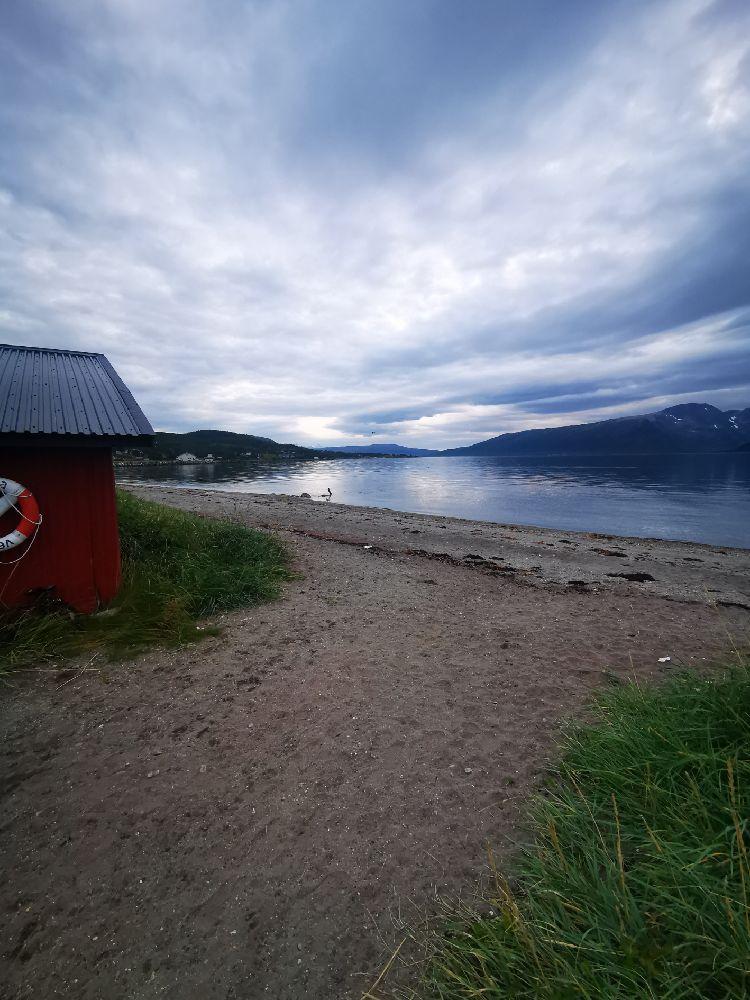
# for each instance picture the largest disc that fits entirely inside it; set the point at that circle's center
(638, 880)
(177, 568)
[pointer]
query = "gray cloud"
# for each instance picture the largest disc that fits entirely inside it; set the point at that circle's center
(438, 221)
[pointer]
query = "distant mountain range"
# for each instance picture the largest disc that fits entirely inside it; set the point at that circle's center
(686, 428)
(382, 449)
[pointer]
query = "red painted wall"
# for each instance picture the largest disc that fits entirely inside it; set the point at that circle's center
(77, 548)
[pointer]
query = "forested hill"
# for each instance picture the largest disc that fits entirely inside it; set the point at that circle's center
(688, 427)
(224, 444)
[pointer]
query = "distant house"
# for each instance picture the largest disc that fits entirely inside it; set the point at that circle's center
(187, 458)
(61, 414)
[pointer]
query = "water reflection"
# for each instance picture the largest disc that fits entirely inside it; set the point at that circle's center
(699, 497)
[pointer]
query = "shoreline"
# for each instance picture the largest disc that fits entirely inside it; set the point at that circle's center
(695, 572)
(716, 514)
(509, 525)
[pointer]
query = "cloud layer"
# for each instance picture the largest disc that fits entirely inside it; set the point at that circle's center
(431, 221)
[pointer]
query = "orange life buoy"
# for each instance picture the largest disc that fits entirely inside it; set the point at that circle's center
(15, 495)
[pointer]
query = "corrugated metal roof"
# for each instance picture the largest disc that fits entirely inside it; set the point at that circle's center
(44, 391)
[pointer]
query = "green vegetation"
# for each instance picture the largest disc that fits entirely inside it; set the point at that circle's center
(637, 884)
(177, 569)
(222, 444)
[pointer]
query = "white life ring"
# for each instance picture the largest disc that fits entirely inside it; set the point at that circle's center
(15, 495)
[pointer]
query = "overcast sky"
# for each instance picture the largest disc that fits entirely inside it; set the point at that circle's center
(434, 220)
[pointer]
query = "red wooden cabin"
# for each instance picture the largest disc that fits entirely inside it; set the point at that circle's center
(61, 414)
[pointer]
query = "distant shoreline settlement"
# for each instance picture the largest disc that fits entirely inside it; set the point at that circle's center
(188, 458)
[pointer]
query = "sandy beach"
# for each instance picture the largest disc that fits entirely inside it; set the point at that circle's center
(255, 816)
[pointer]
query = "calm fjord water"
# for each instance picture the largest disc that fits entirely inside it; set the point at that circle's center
(702, 498)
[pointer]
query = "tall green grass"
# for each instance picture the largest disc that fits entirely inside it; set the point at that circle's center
(638, 881)
(177, 568)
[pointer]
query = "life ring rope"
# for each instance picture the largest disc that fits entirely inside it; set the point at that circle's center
(25, 517)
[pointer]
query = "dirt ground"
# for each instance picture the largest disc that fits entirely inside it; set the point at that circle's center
(252, 817)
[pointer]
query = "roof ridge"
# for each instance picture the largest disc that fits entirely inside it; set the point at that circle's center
(50, 350)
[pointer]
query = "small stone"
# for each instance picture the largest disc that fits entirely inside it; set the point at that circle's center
(203, 768)
(152, 774)
(467, 770)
